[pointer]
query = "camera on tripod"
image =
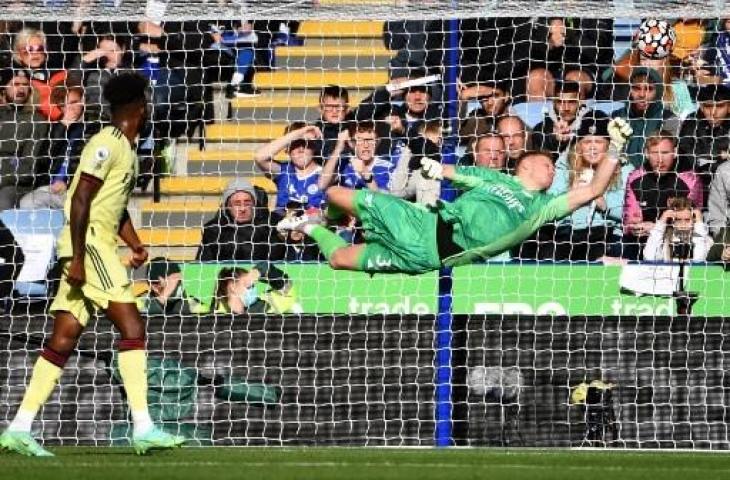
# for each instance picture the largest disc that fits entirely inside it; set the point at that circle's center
(680, 250)
(680, 244)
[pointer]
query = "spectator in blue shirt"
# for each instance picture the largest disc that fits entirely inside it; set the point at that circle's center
(363, 168)
(298, 180)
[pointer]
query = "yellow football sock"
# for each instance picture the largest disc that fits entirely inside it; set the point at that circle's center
(133, 368)
(42, 382)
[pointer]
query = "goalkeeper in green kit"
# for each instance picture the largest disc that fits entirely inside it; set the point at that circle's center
(495, 212)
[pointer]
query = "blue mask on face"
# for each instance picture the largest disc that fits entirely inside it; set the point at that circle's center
(250, 296)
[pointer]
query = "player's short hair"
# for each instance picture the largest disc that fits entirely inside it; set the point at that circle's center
(530, 154)
(334, 91)
(657, 138)
(358, 127)
(125, 89)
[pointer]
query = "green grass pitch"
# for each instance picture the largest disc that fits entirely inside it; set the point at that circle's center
(80, 463)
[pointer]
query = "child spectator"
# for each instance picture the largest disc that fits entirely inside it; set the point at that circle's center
(236, 291)
(298, 180)
(679, 227)
(333, 108)
(594, 230)
(649, 188)
(361, 169)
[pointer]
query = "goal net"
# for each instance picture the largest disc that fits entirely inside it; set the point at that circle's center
(606, 328)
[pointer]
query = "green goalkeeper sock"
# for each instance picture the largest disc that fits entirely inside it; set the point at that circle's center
(328, 241)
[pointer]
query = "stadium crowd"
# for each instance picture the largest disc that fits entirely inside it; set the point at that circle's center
(524, 84)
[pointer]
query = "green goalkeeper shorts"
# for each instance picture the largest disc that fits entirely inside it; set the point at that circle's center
(400, 236)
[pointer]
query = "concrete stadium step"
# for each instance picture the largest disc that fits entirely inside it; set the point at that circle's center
(223, 162)
(284, 106)
(173, 237)
(183, 253)
(335, 42)
(315, 79)
(190, 213)
(243, 132)
(333, 57)
(207, 185)
(337, 29)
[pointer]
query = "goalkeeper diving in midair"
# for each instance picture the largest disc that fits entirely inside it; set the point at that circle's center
(93, 275)
(495, 212)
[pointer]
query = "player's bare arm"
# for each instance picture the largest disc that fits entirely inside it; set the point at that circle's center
(80, 207)
(129, 236)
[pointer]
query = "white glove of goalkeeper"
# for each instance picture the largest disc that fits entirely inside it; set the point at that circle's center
(432, 169)
(619, 131)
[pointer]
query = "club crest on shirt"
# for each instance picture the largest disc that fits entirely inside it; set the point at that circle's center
(312, 189)
(101, 155)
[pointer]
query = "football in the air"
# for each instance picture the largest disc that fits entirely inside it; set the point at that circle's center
(655, 38)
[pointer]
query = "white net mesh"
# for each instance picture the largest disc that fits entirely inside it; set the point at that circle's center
(575, 336)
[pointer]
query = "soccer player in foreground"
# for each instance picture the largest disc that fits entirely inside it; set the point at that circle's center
(93, 276)
(495, 212)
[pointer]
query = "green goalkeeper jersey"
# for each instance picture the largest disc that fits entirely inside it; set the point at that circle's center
(495, 213)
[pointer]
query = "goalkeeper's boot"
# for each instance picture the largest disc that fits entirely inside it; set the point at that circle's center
(155, 439)
(22, 443)
(298, 223)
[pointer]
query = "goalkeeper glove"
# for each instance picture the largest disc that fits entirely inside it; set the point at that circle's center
(619, 131)
(432, 169)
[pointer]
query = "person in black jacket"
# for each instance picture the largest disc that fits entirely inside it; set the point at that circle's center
(241, 230)
(67, 139)
(704, 139)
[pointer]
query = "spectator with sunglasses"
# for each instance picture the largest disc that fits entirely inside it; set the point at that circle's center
(297, 181)
(30, 55)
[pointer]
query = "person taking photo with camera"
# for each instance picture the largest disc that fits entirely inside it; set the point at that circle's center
(679, 234)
